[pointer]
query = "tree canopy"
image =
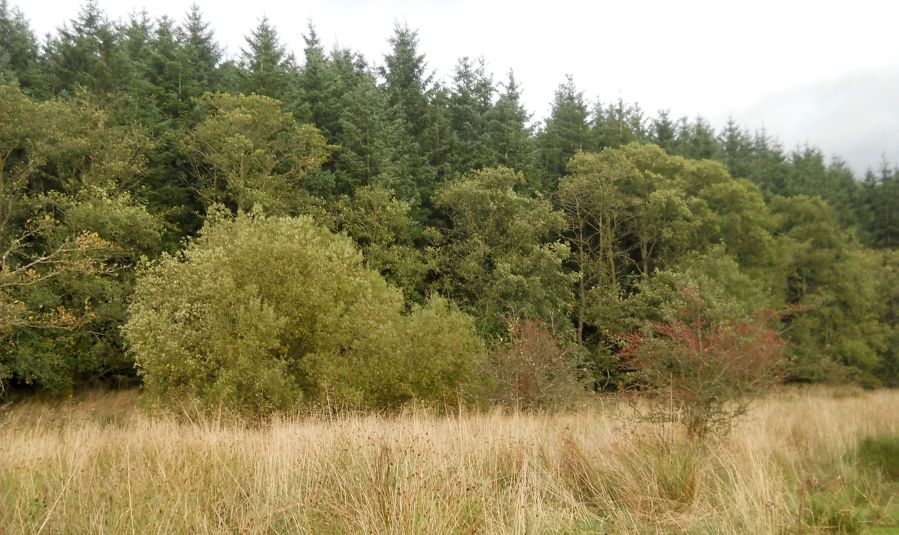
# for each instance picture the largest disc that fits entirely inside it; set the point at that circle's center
(279, 227)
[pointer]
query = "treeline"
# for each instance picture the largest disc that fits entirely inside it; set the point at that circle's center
(552, 243)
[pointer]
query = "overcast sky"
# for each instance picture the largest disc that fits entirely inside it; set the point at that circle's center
(816, 72)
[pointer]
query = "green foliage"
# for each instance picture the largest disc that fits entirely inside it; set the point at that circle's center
(116, 137)
(259, 313)
(510, 135)
(470, 103)
(250, 152)
(499, 256)
(88, 52)
(66, 252)
(566, 133)
(266, 68)
(19, 51)
(384, 229)
(843, 320)
(880, 453)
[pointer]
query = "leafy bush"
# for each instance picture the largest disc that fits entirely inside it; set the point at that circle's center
(704, 369)
(260, 313)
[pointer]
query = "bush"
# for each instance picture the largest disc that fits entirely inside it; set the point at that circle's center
(534, 369)
(702, 369)
(260, 313)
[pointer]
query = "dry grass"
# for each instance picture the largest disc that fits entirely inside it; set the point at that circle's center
(100, 466)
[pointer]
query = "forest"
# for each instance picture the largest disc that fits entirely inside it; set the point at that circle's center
(280, 229)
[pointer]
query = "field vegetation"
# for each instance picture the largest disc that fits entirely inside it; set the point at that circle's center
(804, 460)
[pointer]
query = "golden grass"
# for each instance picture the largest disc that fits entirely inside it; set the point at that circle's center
(101, 466)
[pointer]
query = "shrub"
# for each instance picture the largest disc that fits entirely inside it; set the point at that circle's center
(259, 313)
(704, 370)
(534, 369)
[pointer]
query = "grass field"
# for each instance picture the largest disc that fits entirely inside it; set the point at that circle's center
(803, 461)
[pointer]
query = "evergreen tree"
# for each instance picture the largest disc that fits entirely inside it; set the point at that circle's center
(566, 132)
(18, 48)
(318, 85)
(407, 83)
(87, 52)
(697, 140)
(509, 131)
(810, 175)
(616, 124)
(881, 202)
(769, 168)
(470, 102)
(368, 140)
(409, 91)
(142, 98)
(663, 132)
(199, 56)
(266, 68)
(736, 150)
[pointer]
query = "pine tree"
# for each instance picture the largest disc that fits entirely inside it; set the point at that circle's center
(368, 141)
(736, 150)
(406, 81)
(616, 124)
(881, 193)
(697, 140)
(769, 167)
(317, 105)
(164, 71)
(409, 92)
(663, 132)
(142, 96)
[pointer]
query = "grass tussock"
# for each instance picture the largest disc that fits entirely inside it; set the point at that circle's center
(802, 462)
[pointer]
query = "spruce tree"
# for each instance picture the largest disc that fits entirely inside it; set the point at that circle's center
(565, 133)
(266, 68)
(470, 102)
(87, 52)
(408, 88)
(736, 149)
(200, 56)
(19, 51)
(509, 130)
(663, 132)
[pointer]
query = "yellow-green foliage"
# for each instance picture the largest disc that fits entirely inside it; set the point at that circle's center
(258, 313)
(249, 151)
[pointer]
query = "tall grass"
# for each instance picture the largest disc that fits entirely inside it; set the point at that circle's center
(100, 466)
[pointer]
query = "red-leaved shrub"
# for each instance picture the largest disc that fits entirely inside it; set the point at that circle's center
(702, 371)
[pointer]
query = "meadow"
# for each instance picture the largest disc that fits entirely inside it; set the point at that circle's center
(802, 461)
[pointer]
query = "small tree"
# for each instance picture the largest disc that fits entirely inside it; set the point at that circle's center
(703, 371)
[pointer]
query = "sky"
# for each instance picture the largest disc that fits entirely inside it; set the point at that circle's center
(820, 73)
